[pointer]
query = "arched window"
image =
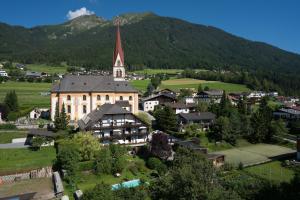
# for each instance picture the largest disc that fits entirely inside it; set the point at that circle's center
(84, 97)
(84, 108)
(107, 98)
(68, 97)
(130, 98)
(121, 98)
(118, 63)
(98, 97)
(120, 73)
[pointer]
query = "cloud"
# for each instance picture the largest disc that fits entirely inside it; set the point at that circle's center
(79, 12)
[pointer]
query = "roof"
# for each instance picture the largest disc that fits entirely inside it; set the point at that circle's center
(290, 111)
(214, 92)
(96, 115)
(166, 95)
(197, 116)
(91, 83)
(123, 103)
(42, 132)
(33, 73)
(180, 105)
(118, 47)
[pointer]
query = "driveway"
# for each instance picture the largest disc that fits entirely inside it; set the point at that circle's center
(18, 145)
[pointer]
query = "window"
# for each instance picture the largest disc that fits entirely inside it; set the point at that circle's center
(84, 97)
(84, 108)
(68, 97)
(121, 98)
(107, 98)
(118, 63)
(98, 97)
(69, 109)
(130, 98)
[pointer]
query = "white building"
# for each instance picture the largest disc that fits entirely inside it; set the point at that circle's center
(149, 103)
(3, 73)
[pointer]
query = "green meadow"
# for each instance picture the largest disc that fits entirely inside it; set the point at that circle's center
(29, 94)
(46, 68)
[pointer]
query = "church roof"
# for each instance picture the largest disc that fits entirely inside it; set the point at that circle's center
(91, 83)
(118, 47)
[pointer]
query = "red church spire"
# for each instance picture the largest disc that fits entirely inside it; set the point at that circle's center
(118, 47)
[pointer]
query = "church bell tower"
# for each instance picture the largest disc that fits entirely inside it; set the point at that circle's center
(118, 58)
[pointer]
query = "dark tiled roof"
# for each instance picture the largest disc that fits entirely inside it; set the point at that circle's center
(198, 116)
(166, 95)
(213, 92)
(180, 105)
(91, 83)
(123, 103)
(96, 115)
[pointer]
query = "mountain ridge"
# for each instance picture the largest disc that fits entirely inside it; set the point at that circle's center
(149, 40)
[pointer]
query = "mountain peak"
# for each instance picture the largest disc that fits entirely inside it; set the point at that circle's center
(86, 22)
(130, 18)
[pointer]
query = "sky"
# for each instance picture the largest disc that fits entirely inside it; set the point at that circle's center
(276, 22)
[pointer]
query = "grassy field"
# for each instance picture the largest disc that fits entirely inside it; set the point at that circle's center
(89, 180)
(14, 160)
(29, 94)
(6, 137)
(176, 84)
(272, 171)
(140, 85)
(158, 71)
(254, 153)
(47, 68)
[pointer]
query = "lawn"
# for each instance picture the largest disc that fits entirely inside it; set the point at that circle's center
(14, 160)
(89, 180)
(158, 71)
(140, 85)
(29, 94)
(7, 136)
(177, 84)
(47, 68)
(252, 154)
(272, 171)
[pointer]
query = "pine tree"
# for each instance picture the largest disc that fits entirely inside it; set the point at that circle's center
(57, 122)
(63, 118)
(224, 107)
(200, 89)
(242, 106)
(11, 101)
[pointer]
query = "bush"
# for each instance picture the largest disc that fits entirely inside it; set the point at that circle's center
(134, 170)
(86, 165)
(156, 164)
(8, 126)
(152, 163)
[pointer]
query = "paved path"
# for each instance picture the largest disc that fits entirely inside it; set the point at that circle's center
(14, 145)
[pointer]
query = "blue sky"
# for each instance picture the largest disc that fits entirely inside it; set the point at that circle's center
(276, 22)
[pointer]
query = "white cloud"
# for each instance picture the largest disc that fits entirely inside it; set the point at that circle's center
(79, 12)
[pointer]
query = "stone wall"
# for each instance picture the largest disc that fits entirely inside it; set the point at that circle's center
(36, 173)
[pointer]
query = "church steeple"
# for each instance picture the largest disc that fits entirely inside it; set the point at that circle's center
(118, 57)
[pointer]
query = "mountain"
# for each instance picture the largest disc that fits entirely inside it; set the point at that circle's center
(148, 40)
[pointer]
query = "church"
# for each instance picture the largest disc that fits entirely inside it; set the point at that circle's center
(82, 94)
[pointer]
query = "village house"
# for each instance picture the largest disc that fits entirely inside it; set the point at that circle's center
(204, 119)
(179, 107)
(112, 123)
(3, 73)
(210, 96)
(149, 103)
(287, 113)
(82, 94)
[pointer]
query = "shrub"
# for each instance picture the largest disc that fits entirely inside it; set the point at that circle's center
(8, 126)
(86, 165)
(152, 163)
(156, 164)
(134, 170)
